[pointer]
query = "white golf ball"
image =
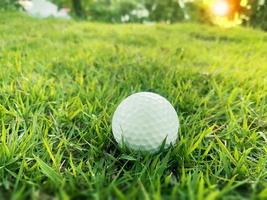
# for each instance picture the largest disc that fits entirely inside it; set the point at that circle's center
(144, 120)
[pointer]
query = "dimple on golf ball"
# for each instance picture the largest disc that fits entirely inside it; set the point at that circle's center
(145, 121)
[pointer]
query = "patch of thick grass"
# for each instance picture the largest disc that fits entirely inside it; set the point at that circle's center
(62, 80)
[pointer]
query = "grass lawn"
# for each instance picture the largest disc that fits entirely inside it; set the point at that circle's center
(60, 82)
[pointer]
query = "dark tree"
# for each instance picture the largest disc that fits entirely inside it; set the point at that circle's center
(258, 17)
(78, 8)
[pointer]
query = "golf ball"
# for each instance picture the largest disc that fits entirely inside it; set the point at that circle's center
(143, 121)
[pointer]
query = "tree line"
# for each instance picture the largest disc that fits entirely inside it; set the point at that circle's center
(252, 12)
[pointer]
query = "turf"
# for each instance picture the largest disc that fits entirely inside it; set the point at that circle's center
(60, 82)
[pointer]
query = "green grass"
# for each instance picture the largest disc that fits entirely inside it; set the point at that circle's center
(60, 82)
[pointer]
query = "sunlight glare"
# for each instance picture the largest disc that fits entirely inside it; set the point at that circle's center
(220, 8)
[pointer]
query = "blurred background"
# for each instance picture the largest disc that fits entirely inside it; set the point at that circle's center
(226, 13)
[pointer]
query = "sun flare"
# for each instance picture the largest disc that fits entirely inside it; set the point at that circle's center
(221, 13)
(220, 8)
